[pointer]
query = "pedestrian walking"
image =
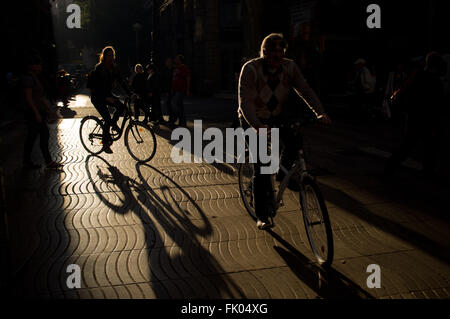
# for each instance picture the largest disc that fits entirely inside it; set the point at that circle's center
(424, 106)
(139, 85)
(181, 87)
(154, 91)
(166, 87)
(395, 82)
(365, 86)
(37, 113)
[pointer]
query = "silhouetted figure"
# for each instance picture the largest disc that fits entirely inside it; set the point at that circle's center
(37, 110)
(139, 85)
(264, 87)
(63, 85)
(181, 87)
(166, 87)
(365, 86)
(396, 80)
(424, 102)
(101, 81)
(154, 88)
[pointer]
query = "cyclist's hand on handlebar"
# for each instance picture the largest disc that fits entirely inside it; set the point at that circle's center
(325, 119)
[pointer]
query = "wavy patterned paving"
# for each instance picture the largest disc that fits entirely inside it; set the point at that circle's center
(166, 230)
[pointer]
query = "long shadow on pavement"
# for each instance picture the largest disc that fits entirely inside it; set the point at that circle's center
(358, 209)
(165, 212)
(327, 283)
(165, 132)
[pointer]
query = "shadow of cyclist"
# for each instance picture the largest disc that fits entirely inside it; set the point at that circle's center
(165, 221)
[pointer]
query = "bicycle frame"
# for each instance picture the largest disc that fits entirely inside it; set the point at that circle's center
(299, 164)
(127, 116)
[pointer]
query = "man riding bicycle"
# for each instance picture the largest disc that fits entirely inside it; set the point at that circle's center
(264, 86)
(100, 82)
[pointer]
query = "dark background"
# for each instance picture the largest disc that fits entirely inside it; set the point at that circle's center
(214, 35)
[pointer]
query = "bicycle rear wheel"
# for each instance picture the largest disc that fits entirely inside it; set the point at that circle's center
(246, 187)
(91, 134)
(317, 221)
(140, 141)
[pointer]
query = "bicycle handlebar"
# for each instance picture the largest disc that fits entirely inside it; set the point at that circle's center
(299, 123)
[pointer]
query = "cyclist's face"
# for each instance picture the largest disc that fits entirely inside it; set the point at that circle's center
(108, 57)
(275, 54)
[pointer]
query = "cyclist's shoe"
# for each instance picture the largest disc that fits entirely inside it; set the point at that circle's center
(115, 128)
(263, 224)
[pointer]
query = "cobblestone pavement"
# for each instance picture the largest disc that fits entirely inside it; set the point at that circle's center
(166, 230)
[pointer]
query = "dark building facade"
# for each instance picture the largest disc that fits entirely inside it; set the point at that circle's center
(325, 36)
(27, 27)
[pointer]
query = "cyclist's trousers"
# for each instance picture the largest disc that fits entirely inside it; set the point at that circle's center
(142, 104)
(263, 192)
(102, 107)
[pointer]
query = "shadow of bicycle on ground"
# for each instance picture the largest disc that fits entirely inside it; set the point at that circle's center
(179, 263)
(327, 283)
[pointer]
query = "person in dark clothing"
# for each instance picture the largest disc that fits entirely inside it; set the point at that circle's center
(167, 77)
(264, 87)
(154, 89)
(181, 87)
(100, 82)
(139, 85)
(36, 113)
(424, 103)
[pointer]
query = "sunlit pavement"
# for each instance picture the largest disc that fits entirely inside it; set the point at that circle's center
(166, 230)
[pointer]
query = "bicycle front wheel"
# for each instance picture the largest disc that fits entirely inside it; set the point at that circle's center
(140, 141)
(91, 134)
(246, 187)
(317, 221)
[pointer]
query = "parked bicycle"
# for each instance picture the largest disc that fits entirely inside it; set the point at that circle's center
(139, 138)
(312, 204)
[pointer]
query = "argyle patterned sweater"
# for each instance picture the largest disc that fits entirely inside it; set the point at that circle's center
(262, 93)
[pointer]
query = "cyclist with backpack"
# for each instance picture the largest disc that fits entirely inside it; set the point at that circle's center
(100, 82)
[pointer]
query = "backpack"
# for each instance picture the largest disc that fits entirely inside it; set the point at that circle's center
(90, 79)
